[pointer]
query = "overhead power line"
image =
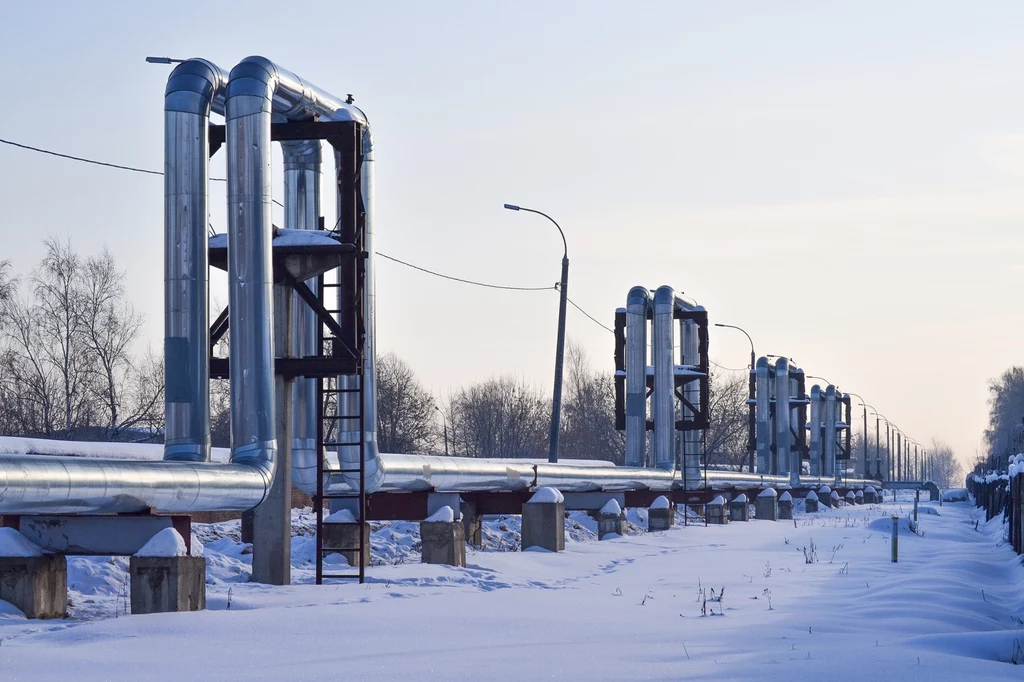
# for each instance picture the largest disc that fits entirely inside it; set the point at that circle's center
(148, 171)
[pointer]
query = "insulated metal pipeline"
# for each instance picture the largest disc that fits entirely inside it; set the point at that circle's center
(829, 436)
(763, 409)
(194, 89)
(638, 304)
(815, 428)
(783, 437)
(662, 352)
(302, 161)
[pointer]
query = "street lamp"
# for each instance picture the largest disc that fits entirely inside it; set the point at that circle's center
(888, 446)
(863, 405)
(878, 454)
(445, 422)
(556, 400)
(751, 405)
(811, 376)
(163, 60)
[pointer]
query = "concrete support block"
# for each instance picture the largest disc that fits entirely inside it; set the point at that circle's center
(858, 497)
(36, 585)
(716, 512)
(834, 500)
(443, 542)
(851, 497)
(343, 539)
(472, 524)
(785, 506)
(870, 495)
(811, 502)
(544, 525)
(766, 507)
(825, 496)
(739, 508)
(167, 584)
(611, 520)
(661, 514)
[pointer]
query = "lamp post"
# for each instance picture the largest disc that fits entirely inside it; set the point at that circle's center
(163, 60)
(865, 408)
(878, 445)
(751, 405)
(444, 421)
(556, 399)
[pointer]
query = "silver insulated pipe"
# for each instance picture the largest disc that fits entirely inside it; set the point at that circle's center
(302, 161)
(783, 437)
(815, 431)
(829, 437)
(693, 441)
(662, 354)
(762, 404)
(194, 88)
(638, 304)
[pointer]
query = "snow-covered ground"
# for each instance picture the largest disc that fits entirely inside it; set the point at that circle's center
(806, 600)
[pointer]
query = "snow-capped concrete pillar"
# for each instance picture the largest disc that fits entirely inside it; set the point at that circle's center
(611, 521)
(870, 495)
(33, 581)
(443, 538)
(716, 511)
(544, 521)
(766, 506)
(811, 502)
(825, 496)
(851, 498)
(341, 536)
(164, 578)
(739, 508)
(661, 514)
(786, 506)
(858, 497)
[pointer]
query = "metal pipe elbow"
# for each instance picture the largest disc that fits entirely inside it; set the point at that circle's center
(639, 297)
(196, 87)
(664, 299)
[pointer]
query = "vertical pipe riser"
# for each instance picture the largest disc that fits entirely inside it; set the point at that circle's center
(637, 305)
(662, 349)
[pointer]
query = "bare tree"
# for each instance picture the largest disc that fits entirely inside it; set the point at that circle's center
(947, 471)
(110, 326)
(59, 325)
(35, 383)
(726, 439)
(1005, 432)
(501, 417)
(588, 412)
(406, 412)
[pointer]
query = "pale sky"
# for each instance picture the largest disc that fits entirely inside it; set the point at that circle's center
(841, 180)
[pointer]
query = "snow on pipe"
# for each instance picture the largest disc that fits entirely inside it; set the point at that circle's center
(638, 304)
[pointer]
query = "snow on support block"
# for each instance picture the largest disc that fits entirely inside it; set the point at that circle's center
(611, 521)
(544, 521)
(443, 539)
(164, 578)
(661, 514)
(766, 506)
(825, 495)
(716, 514)
(786, 506)
(870, 495)
(36, 583)
(739, 508)
(811, 502)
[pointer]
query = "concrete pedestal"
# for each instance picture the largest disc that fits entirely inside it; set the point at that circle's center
(811, 502)
(343, 539)
(825, 496)
(37, 585)
(834, 499)
(167, 584)
(859, 497)
(472, 524)
(851, 498)
(443, 542)
(766, 506)
(660, 519)
(739, 508)
(544, 525)
(608, 524)
(716, 512)
(786, 509)
(870, 496)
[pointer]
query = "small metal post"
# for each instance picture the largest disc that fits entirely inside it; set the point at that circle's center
(917, 496)
(895, 538)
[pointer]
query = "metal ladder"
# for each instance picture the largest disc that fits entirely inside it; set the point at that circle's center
(338, 436)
